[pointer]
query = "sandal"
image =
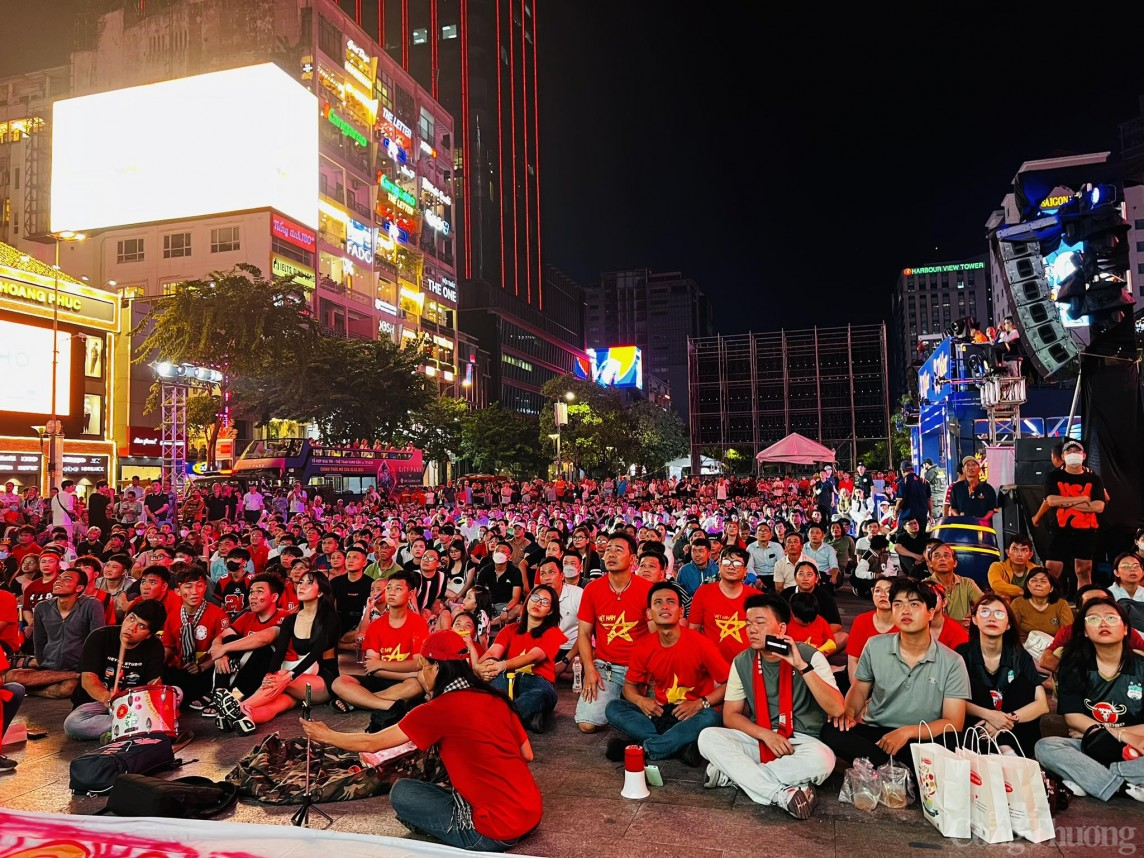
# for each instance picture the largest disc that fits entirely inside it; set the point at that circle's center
(343, 706)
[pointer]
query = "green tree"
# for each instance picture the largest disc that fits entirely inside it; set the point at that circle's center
(350, 389)
(437, 429)
(599, 437)
(497, 441)
(658, 434)
(236, 321)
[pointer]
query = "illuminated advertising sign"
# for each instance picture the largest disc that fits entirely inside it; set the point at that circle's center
(394, 231)
(1056, 198)
(19, 465)
(297, 235)
(395, 152)
(445, 287)
(359, 64)
(943, 269)
(116, 160)
(402, 133)
(933, 377)
(1059, 264)
(359, 241)
(93, 307)
(300, 274)
(436, 221)
(26, 370)
(435, 192)
(618, 366)
(397, 194)
(343, 126)
(582, 369)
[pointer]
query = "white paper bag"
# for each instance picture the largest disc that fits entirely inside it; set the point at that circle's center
(1028, 802)
(989, 808)
(943, 787)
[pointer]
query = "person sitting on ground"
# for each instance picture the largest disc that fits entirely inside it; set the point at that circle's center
(879, 621)
(717, 609)
(901, 680)
(390, 643)
(942, 629)
(49, 561)
(1127, 569)
(823, 555)
(806, 581)
(909, 544)
(551, 573)
(242, 653)
(521, 660)
(351, 592)
(1051, 658)
(960, 593)
(773, 712)
(689, 675)
(807, 626)
(1099, 694)
(1040, 607)
(187, 637)
(153, 584)
(103, 675)
(232, 590)
(1006, 688)
(1007, 577)
(11, 696)
(493, 802)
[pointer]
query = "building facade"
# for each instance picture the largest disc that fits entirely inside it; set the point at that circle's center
(926, 301)
(658, 312)
(748, 391)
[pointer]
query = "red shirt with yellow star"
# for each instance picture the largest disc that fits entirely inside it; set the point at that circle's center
(619, 619)
(397, 644)
(687, 670)
(517, 642)
(724, 620)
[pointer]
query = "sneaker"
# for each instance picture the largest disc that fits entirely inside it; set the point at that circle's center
(1074, 788)
(222, 724)
(535, 722)
(7, 764)
(105, 738)
(244, 726)
(227, 706)
(1135, 791)
(616, 748)
(799, 802)
(716, 778)
(689, 755)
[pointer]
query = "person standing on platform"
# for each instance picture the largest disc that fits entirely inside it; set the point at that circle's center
(1076, 494)
(972, 497)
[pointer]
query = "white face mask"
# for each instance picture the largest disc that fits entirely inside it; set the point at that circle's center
(1139, 544)
(1074, 459)
(500, 557)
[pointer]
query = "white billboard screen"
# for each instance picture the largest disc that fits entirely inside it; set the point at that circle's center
(226, 141)
(26, 370)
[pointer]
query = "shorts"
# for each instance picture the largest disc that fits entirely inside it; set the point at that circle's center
(374, 684)
(593, 713)
(1067, 545)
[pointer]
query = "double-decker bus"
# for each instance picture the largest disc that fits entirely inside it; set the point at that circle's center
(339, 471)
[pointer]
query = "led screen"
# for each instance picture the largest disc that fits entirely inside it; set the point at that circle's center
(618, 366)
(26, 370)
(227, 141)
(1058, 265)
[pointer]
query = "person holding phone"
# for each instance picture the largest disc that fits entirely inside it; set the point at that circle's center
(778, 698)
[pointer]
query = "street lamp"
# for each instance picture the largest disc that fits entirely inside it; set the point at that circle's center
(560, 418)
(40, 431)
(53, 425)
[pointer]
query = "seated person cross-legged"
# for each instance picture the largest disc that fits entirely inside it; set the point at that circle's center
(905, 678)
(187, 637)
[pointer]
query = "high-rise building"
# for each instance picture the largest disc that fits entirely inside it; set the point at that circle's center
(657, 312)
(829, 384)
(926, 301)
(479, 60)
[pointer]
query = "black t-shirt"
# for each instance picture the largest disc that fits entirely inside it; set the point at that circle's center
(216, 508)
(429, 590)
(827, 607)
(155, 502)
(349, 599)
(97, 504)
(100, 656)
(988, 688)
(500, 587)
(231, 595)
(1089, 484)
(1110, 701)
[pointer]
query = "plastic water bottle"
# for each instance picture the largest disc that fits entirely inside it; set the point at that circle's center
(577, 675)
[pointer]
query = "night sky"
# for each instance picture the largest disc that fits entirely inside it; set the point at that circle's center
(790, 165)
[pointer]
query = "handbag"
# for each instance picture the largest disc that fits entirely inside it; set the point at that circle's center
(943, 786)
(1027, 791)
(989, 808)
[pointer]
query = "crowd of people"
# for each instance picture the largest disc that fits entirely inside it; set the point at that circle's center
(697, 618)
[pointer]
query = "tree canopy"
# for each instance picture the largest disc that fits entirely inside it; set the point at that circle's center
(497, 441)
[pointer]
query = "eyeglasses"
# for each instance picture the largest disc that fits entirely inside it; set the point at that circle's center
(541, 600)
(995, 613)
(1129, 564)
(727, 561)
(1095, 620)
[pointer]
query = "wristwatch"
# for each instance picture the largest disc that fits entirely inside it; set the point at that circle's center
(809, 667)
(706, 703)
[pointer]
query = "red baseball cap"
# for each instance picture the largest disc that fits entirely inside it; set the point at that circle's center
(445, 646)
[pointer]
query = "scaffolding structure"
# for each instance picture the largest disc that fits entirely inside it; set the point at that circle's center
(173, 436)
(829, 384)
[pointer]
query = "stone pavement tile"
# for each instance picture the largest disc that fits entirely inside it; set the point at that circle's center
(54, 797)
(1085, 838)
(868, 840)
(584, 843)
(605, 818)
(730, 829)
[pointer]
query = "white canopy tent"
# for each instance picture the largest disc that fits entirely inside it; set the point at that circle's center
(707, 466)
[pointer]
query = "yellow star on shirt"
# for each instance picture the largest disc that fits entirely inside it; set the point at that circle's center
(620, 628)
(528, 667)
(676, 694)
(731, 627)
(396, 654)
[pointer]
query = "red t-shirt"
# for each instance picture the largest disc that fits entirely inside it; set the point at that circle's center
(289, 601)
(10, 614)
(861, 630)
(620, 620)
(816, 633)
(686, 671)
(35, 592)
(480, 744)
(211, 624)
(953, 634)
(171, 603)
(517, 643)
(259, 556)
(232, 594)
(247, 623)
(397, 644)
(20, 551)
(724, 620)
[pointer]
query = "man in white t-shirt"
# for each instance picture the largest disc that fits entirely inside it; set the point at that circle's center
(297, 500)
(551, 572)
(252, 505)
(63, 508)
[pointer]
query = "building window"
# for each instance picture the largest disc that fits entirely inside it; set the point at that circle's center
(425, 127)
(330, 39)
(224, 239)
(449, 31)
(176, 244)
(385, 90)
(404, 107)
(129, 250)
(420, 36)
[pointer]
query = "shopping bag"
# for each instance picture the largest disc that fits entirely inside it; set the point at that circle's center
(1036, 644)
(989, 808)
(1028, 800)
(943, 786)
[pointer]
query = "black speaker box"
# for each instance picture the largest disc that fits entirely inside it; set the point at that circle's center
(1031, 473)
(1033, 450)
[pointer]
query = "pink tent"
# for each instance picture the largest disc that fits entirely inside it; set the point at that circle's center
(796, 449)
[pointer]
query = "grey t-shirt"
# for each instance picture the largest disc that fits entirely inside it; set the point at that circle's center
(903, 696)
(59, 640)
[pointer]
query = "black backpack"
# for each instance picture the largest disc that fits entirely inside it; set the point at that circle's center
(95, 772)
(182, 798)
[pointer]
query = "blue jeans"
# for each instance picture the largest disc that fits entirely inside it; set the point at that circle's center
(530, 693)
(1064, 756)
(88, 721)
(429, 809)
(664, 736)
(10, 707)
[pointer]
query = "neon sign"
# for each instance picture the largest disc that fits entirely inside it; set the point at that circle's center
(398, 195)
(346, 129)
(388, 116)
(435, 192)
(359, 241)
(446, 288)
(395, 152)
(429, 150)
(291, 232)
(941, 269)
(436, 221)
(395, 232)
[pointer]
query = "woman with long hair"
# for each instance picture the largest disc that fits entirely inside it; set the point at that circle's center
(1099, 692)
(458, 571)
(493, 802)
(591, 564)
(1006, 687)
(305, 650)
(1040, 607)
(527, 651)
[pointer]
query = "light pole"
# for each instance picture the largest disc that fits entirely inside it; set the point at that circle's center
(53, 425)
(560, 418)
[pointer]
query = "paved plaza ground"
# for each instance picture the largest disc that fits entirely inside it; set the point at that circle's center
(584, 813)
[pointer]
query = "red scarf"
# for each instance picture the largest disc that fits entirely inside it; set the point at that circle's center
(762, 708)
